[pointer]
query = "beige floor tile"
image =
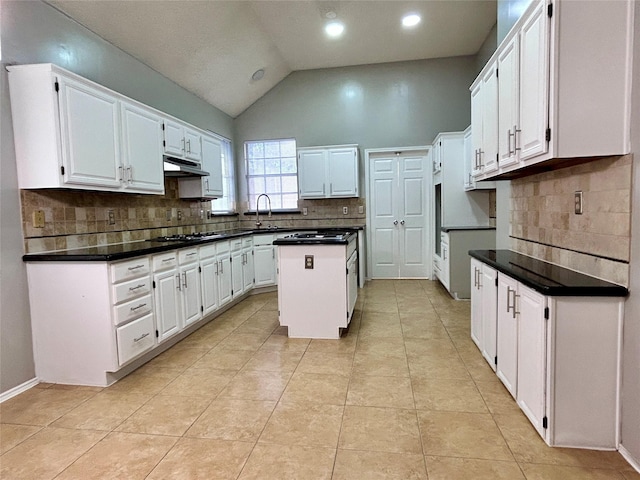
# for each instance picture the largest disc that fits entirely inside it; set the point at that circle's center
(430, 348)
(480, 370)
(244, 341)
(354, 465)
(327, 363)
(203, 339)
(232, 419)
(497, 398)
(39, 406)
(630, 475)
(146, 380)
(345, 344)
(165, 415)
(202, 459)
(284, 343)
(47, 453)
(449, 366)
(179, 358)
(274, 360)
(391, 392)
(384, 346)
(279, 462)
(380, 365)
(224, 359)
(256, 385)
(380, 429)
(447, 468)
(557, 472)
(418, 305)
(447, 394)
(120, 455)
(304, 424)
(458, 434)
(429, 316)
(390, 329)
(390, 306)
(528, 447)
(12, 435)
(307, 388)
(105, 411)
(199, 382)
(424, 331)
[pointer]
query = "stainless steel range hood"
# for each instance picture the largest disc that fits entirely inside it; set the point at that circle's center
(177, 167)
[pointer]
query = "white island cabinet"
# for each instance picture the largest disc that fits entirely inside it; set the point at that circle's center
(558, 346)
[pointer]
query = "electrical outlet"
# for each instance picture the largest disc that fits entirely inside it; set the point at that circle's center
(345, 210)
(168, 214)
(111, 217)
(179, 214)
(305, 211)
(360, 208)
(38, 219)
(577, 200)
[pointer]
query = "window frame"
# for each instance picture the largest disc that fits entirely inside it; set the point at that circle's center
(228, 180)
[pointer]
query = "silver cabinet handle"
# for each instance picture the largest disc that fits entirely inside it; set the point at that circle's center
(133, 309)
(479, 279)
(509, 135)
(120, 169)
(135, 268)
(184, 149)
(168, 259)
(444, 251)
(184, 279)
(273, 253)
(221, 267)
(141, 337)
(179, 287)
(133, 289)
(129, 174)
(515, 138)
(189, 146)
(509, 306)
(206, 184)
(191, 254)
(216, 267)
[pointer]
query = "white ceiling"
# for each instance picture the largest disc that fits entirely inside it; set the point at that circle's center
(212, 47)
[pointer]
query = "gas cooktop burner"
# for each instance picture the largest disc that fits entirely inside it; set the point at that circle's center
(183, 238)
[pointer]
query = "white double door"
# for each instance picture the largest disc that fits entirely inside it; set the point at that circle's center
(399, 214)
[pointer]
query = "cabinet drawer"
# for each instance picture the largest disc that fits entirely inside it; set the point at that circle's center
(207, 251)
(247, 242)
(135, 338)
(236, 244)
(188, 255)
(263, 240)
(165, 261)
(131, 289)
(129, 269)
(133, 309)
(223, 247)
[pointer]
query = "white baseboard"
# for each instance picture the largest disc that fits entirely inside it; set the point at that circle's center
(634, 462)
(19, 389)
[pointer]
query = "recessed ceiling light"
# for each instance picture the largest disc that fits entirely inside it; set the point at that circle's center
(411, 20)
(257, 75)
(334, 29)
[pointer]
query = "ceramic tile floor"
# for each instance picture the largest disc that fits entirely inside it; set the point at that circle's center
(405, 395)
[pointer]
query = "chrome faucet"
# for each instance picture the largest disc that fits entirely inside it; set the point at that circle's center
(258, 222)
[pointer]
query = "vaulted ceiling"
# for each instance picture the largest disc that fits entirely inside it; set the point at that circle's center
(213, 47)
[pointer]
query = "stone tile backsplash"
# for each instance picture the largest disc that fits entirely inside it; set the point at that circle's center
(76, 218)
(597, 242)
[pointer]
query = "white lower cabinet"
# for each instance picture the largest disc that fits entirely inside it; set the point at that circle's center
(135, 338)
(190, 294)
(264, 260)
(208, 279)
(166, 284)
(483, 310)
(558, 356)
(225, 286)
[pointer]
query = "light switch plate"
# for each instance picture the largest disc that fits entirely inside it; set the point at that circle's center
(305, 211)
(38, 219)
(111, 217)
(577, 200)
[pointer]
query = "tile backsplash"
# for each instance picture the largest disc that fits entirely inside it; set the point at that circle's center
(78, 218)
(597, 242)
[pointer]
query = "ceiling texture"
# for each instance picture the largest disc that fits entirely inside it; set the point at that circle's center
(213, 47)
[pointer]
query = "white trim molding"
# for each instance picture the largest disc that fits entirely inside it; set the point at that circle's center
(19, 389)
(634, 462)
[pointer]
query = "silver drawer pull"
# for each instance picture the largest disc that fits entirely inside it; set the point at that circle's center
(133, 309)
(168, 259)
(135, 268)
(133, 289)
(192, 253)
(144, 335)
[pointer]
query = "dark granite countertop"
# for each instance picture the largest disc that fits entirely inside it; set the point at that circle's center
(342, 239)
(483, 227)
(123, 251)
(547, 278)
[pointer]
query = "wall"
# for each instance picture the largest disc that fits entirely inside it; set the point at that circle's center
(34, 32)
(631, 347)
(544, 225)
(375, 106)
(487, 48)
(509, 12)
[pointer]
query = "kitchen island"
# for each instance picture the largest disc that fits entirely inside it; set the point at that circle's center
(317, 283)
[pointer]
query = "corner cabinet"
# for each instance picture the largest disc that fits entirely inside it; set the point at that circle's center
(562, 94)
(328, 172)
(211, 185)
(72, 133)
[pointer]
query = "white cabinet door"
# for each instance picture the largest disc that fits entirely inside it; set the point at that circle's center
(89, 135)
(212, 163)
(534, 84)
(507, 347)
(167, 303)
(224, 280)
(532, 341)
(343, 172)
(264, 262)
(312, 173)
(477, 106)
(173, 138)
(190, 288)
(209, 285)
(193, 148)
(247, 269)
(489, 319)
(237, 282)
(489, 154)
(142, 149)
(508, 91)
(469, 182)
(476, 302)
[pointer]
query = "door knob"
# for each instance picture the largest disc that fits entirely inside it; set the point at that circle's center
(402, 222)
(395, 222)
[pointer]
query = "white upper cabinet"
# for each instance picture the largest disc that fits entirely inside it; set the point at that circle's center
(193, 148)
(563, 93)
(211, 185)
(174, 143)
(328, 172)
(484, 121)
(141, 167)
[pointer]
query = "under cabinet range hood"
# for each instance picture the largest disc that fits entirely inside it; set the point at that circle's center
(178, 167)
